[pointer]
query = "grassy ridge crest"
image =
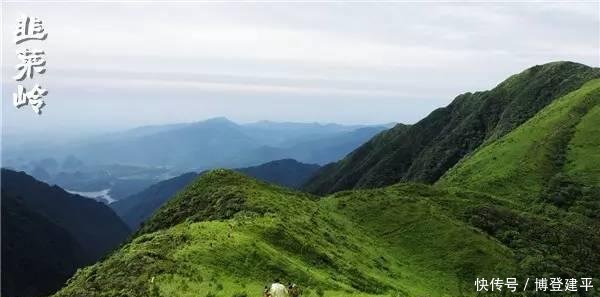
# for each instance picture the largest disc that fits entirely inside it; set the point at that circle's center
(343, 245)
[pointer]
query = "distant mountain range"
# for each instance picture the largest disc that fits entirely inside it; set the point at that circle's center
(213, 143)
(115, 166)
(137, 208)
(47, 233)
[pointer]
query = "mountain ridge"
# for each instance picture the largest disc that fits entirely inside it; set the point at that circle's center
(259, 231)
(542, 151)
(134, 210)
(425, 150)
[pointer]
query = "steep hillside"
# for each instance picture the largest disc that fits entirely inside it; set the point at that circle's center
(227, 234)
(553, 157)
(32, 245)
(95, 227)
(548, 168)
(425, 151)
(137, 208)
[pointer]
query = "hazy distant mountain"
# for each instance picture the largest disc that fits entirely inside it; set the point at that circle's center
(314, 150)
(72, 163)
(115, 181)
(216, 142)
(137, 208)
(203, 144)
(222, 143)
(324, 150)
(286, 134)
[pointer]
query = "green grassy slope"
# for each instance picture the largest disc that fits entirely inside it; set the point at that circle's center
(137, 208)
(549, 170)
(227, 233)
(426, 150)
(582, 162)
(560, 144)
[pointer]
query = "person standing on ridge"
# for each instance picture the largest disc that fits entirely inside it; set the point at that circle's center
(278, 290)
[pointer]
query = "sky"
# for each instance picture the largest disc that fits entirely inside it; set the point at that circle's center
(117, 65)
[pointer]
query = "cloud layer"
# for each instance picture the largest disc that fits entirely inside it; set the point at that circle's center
(116, 65)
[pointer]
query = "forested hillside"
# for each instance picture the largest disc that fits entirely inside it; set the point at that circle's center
(48, 233)
(424, 151)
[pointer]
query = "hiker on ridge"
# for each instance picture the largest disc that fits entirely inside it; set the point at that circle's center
(278, 290)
